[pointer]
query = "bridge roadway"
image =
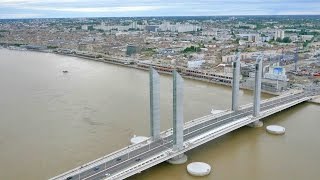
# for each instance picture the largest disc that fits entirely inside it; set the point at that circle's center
(126, 160)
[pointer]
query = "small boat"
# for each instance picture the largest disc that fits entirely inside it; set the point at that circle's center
(65, 71)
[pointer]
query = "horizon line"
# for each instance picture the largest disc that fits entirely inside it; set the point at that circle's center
(78, 17)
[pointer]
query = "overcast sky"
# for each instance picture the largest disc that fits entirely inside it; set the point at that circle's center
(116, 8)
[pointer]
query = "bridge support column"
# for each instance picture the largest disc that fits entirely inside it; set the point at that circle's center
(178, 118)
(180, 159)
(154, 104)
(236, 83)
(257, 92)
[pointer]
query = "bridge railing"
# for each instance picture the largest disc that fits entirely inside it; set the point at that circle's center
(286, 94)
(126, 150)
(204, 119)
(142, 165)
(102, 160)
(131, 148)
(203, 138)
(161, 157)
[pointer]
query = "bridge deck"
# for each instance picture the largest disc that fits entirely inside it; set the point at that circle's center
(135, 158)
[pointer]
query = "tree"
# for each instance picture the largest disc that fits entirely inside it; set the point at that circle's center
(237, 40)
(191, 49)
(90, 28)
(100, 30)
(232, 33)
(52, 47)
(305, 44)
(279, 40)
(286, 40)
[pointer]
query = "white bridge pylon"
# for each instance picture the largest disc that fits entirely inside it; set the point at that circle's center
(154, 85)
(236, 83)
(178, 121)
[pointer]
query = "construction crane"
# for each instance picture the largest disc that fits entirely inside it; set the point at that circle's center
(296, 59)
(282, 57)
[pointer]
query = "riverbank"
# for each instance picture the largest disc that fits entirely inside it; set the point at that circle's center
(315, 100)
(125, 64)
(168, 73)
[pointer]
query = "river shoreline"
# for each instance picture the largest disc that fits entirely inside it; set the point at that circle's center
(109, 61)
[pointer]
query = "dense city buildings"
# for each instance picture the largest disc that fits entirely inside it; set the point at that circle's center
(198, 47)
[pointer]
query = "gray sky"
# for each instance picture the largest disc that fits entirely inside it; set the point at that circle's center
(116, 8)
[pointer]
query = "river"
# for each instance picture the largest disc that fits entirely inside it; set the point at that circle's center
(51, 122)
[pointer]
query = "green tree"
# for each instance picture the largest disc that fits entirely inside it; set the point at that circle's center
(100, 30)
(286, 40)
(305, 44)
(191, 49)
(52, 47)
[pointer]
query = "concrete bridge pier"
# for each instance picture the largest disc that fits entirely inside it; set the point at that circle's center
(178, 119)
(257, 92)
(154, 85)
(180, 159)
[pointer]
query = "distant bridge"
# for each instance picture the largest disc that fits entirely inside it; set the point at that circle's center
(171, 144)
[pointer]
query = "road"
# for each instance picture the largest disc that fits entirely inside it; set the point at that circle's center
(127, 160)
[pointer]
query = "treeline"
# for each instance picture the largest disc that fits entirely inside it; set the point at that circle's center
(284, 40)
(193, 48)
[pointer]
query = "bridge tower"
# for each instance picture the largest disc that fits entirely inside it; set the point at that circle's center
(178, 119)
(236, 83)
(257, 90)
(177, 111)
(154, 84)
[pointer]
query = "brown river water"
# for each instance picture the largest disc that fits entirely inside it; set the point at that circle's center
(51, 122)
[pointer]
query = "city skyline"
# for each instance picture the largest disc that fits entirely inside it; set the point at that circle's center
(15, 9)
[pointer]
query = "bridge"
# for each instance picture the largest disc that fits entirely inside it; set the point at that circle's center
(171, 144)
